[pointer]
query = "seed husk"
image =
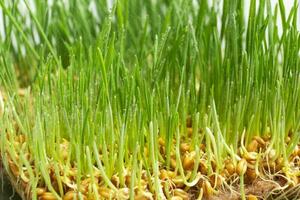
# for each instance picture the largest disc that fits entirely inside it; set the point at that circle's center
(260, 140)
(252, 146)
(48, 196)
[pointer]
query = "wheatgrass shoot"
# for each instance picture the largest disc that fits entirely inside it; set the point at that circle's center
(150, 99)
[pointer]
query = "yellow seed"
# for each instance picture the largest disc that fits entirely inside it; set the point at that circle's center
(40, 191)
(21, 92)
(251, 175)
(161, 141)
(252, 197)
(171, 174)
(164, 174)
(207, 189)
(266, 137)
(215, 180)
(252, 146)
(287, 139)
(115, 180)
(241, 167)
(202, 147)
(173, 163)
(72, 172)
(178, 181)
(189, 131)
(70, 195)
(188, 161)
(84, 189)
(260, 140)
(14, 168)
(184, 147)
(181, 193)
(203, 167)
(48, 196)
(213, 165)
(249, 156)
(143, 184)
(20, 138)
(189, 122)
(106, 192)
(143, 196)
(230, 168)
(279, 163)
(272, 154)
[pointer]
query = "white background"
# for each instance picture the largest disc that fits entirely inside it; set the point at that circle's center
(288, 4)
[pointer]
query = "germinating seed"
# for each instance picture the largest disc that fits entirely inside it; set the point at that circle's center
(48, 196)
(252, 197)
